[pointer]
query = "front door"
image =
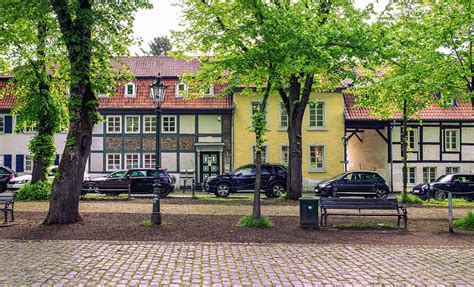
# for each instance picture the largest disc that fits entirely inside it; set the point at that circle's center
(209, 164)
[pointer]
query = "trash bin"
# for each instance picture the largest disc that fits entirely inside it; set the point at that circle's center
(309, 213)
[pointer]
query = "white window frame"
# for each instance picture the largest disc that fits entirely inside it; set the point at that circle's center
(317, 169)
(414, 137)
(126, 125)
(134, 154)
(452, 167)
(316, 127)
(107, 126)
(282, 154)
(107, 161)
(429, 168)
(409, 177)
(152, 120)
(210, 92)
(134, 90)
(163, 124)
(282, 113)
(447, 143)
(152, 163)
(102, 95)
(2, 126)
(178, 95)
(28, 162)
(252, 153)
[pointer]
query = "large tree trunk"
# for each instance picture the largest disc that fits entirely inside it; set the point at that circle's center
(66, 191)
(256, 211)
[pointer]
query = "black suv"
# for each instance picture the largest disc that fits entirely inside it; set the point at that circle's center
(355, 183)
(461, 185)
(6, 174)
(140, 180)
(273, 181)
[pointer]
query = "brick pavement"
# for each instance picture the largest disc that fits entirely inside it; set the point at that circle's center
(222, 264)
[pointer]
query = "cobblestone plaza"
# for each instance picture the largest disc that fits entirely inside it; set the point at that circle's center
(225, 264)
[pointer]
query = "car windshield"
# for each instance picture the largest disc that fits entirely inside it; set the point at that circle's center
(338, 176)
(446, 178)
(116, 174)
(245, 170)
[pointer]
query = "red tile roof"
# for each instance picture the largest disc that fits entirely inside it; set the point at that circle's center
(462, 111)
(150, 66)
(8, 101)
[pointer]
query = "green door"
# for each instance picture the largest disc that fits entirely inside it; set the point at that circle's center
(209, 164)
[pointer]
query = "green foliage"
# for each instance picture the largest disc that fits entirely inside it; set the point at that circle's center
(159, 46)
(43, 147)
(40, 190)
(406, 197)
(249, 221)
(457, 202)
(259, 127)
(147, 223)
(467, 222)
(364, 225)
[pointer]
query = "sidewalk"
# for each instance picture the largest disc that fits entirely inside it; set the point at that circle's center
(225, 264)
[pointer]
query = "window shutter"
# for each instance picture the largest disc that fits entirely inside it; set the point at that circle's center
(20, 162)
(7, 160)
(8, 124)
(56, 160)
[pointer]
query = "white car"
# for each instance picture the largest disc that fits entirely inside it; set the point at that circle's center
(19, 181)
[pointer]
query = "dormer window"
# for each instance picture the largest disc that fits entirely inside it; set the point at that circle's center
(180, 89)
(209, 92)
(130, 90)
(452, 102)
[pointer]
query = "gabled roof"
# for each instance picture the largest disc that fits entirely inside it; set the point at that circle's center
(150, 66)
(462, 111)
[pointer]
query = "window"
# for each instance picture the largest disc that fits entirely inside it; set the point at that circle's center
(255, 106)
(2, 124)
(149, 160)
(429, 174)
(263, 154)
(284, 152)
(138, 173)
(316, 158)
(283, 117)
(452, 169)
(452, 102)
(209, 92)
(132, 124)
(114, 124)
(169, 124)
(411, 175)
(451, 140)
(411, 139)
(316, 115)
(149, 124)
(180, 89)
(132, 160)
(102, 95)
(30, 128)
(114, 161)
(28, 163)
(130, 90)
(246, 170)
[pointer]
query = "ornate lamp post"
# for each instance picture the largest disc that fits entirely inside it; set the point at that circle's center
(157, 93)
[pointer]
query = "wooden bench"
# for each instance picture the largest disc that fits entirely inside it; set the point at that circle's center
(379, 204)
(7, 204)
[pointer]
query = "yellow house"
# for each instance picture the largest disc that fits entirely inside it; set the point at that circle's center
(322, 129)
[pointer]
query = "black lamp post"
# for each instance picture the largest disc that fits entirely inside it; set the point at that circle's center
(157, 92)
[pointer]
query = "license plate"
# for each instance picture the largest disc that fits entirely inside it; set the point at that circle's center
(416, 191)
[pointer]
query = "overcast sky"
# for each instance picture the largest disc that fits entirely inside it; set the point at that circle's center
(164, 17)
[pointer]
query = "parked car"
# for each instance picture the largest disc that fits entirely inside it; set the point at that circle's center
(354, 183)
(19, 181)
(421, 189)
(461, 185)
(273, 181)
(140, 180)
(6, 175)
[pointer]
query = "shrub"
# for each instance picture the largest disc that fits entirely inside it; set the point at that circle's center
(467, 222)
(147, 223)
(249, 221)
(405, 197)
(37, 191)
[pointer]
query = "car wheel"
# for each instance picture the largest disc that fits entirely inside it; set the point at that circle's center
(278, 190)
(222, 190)
(381, 193)
(164, 192)
(440, 195)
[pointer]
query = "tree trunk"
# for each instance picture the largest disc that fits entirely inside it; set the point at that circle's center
(39, 167)
(256, 211)
(405, 147)
(295, 161)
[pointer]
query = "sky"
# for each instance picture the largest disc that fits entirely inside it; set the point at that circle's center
(164, 17)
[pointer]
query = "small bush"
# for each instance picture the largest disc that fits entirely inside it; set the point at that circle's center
(467, 222)
(147, 223)
(249, 221)
(37, 191)
(405, 197)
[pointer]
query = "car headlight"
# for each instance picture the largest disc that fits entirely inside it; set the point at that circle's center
(20, 181)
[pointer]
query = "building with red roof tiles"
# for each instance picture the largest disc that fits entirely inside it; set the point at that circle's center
(196, 133)
(440, 140)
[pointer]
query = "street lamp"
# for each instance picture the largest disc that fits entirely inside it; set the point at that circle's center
(157, 93)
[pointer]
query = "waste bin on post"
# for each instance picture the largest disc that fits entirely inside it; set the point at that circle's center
(309, 213)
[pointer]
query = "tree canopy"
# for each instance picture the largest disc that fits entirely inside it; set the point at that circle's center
(159, 46)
